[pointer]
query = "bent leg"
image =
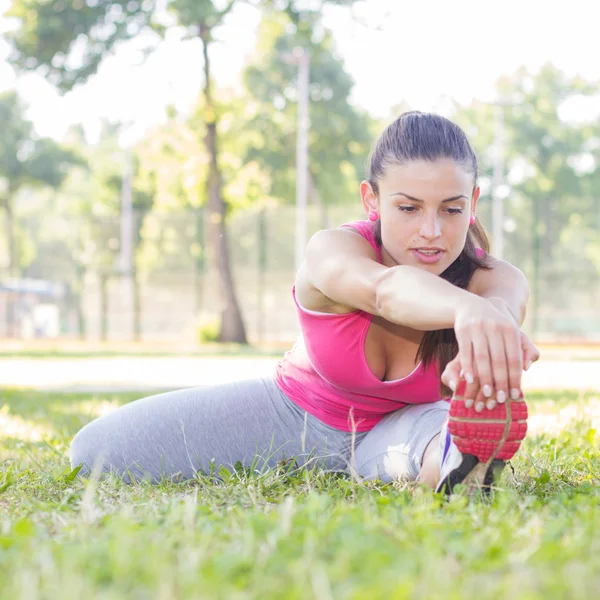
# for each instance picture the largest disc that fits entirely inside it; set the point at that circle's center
(396, 446)
(181, 432)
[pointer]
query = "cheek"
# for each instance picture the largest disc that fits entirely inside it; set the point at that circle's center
(395, 232)
(456, 228)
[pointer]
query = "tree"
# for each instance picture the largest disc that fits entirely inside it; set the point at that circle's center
(67, 42)
(25, 160)
(340, 135)
(554, 178)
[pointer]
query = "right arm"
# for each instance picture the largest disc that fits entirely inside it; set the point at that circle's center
(341, 272)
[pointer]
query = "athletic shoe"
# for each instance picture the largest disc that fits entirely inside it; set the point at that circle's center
(475, 445)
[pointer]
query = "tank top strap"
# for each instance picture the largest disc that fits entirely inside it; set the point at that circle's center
(367, 230)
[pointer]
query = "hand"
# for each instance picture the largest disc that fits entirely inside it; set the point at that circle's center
(451, 375)
(489, 351)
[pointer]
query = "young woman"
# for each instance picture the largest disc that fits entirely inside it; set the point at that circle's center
(395, 311)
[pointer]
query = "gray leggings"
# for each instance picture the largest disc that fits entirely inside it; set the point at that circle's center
(177, 434)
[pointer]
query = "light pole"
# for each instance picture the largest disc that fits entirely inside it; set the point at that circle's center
(126, 245)
(498, 187)
(500, 190)
(301, 57)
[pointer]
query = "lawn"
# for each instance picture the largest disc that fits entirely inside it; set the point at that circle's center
(294, 535)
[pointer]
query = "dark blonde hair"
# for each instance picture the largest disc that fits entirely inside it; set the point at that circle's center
(429, 137)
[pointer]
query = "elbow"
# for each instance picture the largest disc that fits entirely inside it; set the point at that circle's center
(524, 298)
(523, 309)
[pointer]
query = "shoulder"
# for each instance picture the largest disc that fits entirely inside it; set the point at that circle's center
(338, 272)
(343, 240)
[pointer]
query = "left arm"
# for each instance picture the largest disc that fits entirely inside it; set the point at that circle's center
(504, 285)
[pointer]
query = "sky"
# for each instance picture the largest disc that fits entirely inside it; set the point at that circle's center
(421, 52)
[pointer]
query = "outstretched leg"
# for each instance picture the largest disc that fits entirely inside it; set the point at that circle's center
(179, 433)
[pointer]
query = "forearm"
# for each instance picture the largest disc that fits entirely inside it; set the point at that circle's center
(409, 296)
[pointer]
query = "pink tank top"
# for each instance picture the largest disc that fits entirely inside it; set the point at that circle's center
(326, 372)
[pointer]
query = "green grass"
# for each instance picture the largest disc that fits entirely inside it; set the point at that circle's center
(291, 535)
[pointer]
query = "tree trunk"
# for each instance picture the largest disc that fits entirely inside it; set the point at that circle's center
(232, 325)
(199, 265)
(11, 327)
(77, 295)
(137, 306)
(10, 238)
(103, 307)
(314, 195)
(81, 323)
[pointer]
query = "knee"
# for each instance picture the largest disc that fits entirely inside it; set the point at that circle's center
(79, 451)
(392, 465)
(86, 450)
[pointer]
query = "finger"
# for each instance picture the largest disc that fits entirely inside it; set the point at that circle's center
(468, 394)
(514, 359)
(481, 353)
(480, 402)
(451, 374)
(499, 361)
(471, 396)
(472, 390)
(465, 356)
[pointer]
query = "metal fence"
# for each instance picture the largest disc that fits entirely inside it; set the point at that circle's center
(71, 286)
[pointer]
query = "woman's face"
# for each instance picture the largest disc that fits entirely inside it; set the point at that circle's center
(424, 208)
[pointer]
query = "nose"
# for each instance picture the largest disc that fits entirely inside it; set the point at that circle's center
(430, 227)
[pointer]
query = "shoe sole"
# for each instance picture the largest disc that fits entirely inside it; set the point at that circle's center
(486, 440)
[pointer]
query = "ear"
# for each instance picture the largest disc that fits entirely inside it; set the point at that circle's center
(474, 199)
(369, 198)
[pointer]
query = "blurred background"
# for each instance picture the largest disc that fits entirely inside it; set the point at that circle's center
(163, 162)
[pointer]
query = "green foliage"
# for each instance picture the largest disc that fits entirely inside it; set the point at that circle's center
(26, 161)
(70, 55)
(208, 331)
(340, 134)
(91, 198)
(66, 41)
(552, 167)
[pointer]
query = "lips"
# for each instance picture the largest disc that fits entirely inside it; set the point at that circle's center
(428, 255)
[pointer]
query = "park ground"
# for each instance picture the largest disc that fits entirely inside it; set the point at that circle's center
(286, 534)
